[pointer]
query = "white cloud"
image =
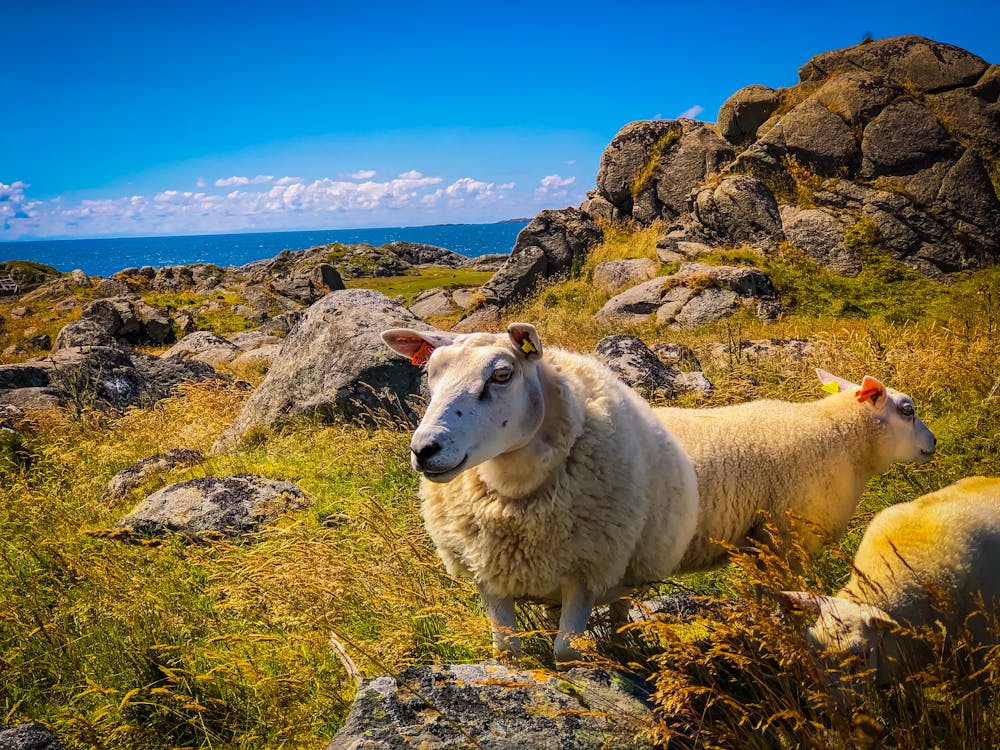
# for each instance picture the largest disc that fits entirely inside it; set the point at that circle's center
(468, 190)
(361, 174)
(230, 181)
(692, 112)
(200, 183)
(266, 202)
(554, 187)
(13, 203)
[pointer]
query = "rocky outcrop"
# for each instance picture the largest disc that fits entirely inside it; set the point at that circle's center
(697, 294)
(549, 245)
(903, 132)
(334, 364)
(493, 706)
(214, 506)
(89, 369)
(117, 319)
(650, 168)
(127, 479)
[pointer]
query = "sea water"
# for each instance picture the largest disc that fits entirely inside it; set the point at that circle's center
(106, 256)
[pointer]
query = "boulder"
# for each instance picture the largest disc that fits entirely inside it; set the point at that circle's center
(635, 305)
(33, 736)
(615, 275)
(740, 209)
(745, 111)
(32, 398)
(117, 319)
(433, 303)
(328, 277)
(115, 287)
(857, 96)
(650, 167)
(109, 377)
(820, 235)
(335, 365)
(815, 136)
(493, 706)
(904, 139)
(204, 346)
(632, 361)
(225, 506)
(13, 377)
(551, 244)
(128, 479)
(926, 65)
(297, 288)
(695, 295)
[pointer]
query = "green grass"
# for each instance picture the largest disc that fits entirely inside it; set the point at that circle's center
(410, 286)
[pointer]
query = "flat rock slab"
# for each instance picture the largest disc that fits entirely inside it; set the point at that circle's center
(492, 706)
(212, 506)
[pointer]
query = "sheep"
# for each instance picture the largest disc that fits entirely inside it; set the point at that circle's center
(543, 478)
(943, 543)
(766, 459)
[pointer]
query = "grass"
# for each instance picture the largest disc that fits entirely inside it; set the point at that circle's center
(411, 285)
(656, 152)
(224, 645)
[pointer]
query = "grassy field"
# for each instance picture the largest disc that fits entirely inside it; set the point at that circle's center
(225, 645)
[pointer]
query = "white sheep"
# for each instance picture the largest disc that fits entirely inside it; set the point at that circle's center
(943, 543)
(765, 459)
(543, 477)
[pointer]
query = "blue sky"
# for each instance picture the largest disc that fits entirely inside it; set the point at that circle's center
(182, 117)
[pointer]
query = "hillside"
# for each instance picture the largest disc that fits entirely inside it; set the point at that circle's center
(741, 260)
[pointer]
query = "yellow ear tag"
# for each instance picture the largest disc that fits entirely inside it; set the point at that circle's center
(527, 347)
(833, 387)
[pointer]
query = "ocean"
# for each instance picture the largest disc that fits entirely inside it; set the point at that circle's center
(106, 256)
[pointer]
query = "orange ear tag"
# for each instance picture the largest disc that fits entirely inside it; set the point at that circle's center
(422, 354)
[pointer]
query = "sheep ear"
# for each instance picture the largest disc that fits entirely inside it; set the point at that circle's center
(833, 384)
(525, 339)
(416, 346)
(871, 390)
(801, 600)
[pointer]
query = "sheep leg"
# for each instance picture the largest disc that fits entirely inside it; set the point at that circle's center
(503, 623)
(577, 604)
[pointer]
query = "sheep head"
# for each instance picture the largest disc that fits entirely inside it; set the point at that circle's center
(847, 628)
(905, 438)
(486, 396)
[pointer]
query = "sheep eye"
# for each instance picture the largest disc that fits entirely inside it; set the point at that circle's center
(502, 375)
(906, 410)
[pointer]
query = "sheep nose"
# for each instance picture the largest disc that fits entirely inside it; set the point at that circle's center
(421, 455)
